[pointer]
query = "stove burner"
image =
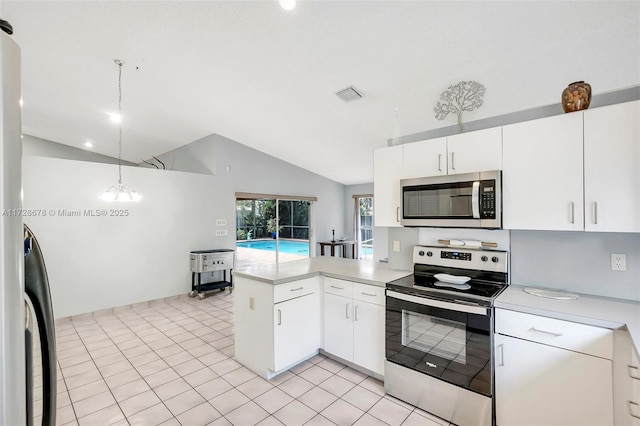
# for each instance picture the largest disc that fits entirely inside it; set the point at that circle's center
(464, 286)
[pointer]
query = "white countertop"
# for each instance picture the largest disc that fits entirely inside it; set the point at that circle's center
(593, 310)
(367, 272)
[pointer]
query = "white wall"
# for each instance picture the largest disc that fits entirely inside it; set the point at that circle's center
(45, 148)
(95, 263)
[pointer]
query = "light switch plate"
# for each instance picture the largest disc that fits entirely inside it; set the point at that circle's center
(221, 222)
(221, 232)
(396, 246)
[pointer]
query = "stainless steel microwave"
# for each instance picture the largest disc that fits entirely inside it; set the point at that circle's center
(471, 200)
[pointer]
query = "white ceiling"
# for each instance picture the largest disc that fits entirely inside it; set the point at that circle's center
(266, 78)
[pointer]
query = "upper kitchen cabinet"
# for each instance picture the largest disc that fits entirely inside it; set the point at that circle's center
(387, 172)
(612, 168)
(424, 158)
(542, 174)
(464, 153)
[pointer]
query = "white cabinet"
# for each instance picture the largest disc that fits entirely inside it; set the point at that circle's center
(295, 330)
(547, 372)
(338, 326)
(368, 335)
(387, 172)
(626, 380)
(464, 153)
(424, 158)
(612, 168)
(354, 323)
(276, 326)
(542, 174)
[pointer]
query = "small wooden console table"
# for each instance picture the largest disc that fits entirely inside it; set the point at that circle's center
(341, 244)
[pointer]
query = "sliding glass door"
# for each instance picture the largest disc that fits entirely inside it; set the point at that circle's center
(271, 230)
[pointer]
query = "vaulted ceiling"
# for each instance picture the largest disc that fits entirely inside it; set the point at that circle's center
(265, 77)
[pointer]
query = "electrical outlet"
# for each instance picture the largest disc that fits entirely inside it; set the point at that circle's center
(618, 262)
(396, 246)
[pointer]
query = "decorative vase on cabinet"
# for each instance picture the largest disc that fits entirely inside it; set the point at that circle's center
(576, 96)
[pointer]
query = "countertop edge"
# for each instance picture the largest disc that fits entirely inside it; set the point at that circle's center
(592, 310)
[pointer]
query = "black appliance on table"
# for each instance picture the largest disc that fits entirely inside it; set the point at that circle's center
(215, 261)
(439, 332)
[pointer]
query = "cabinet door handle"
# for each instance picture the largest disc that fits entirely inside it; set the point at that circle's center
(500, 348)
(398, 214)
(355, 313)
(551, 333)
(346, 310)
(571, 212)
(594, 213)
(369, 294)
(453, 161)
(633, 372)
(631, 407)
(279, 317)
(339, 288)
(297, 289)
(439, 162)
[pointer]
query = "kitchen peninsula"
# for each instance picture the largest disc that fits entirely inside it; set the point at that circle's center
(286, 313)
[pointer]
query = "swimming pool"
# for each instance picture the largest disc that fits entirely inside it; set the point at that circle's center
(285, 246)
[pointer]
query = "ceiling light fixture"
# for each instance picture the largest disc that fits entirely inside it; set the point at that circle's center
(88, 144)
(120, 192)
(287, 4)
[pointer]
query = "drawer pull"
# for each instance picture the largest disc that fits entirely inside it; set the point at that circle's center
(551, 333)
(279, 317)
(297, 289)
(631, 408)
(633, 372)
(346, 310)
(369, 294)
(336, 287)
(355, 313)
(501, 349)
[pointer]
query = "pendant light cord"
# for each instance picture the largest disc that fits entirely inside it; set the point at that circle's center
(120, 65)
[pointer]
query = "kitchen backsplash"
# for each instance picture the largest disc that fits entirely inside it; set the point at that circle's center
(576, 261)
(573, 261)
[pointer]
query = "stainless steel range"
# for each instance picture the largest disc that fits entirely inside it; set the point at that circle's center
(439, 322)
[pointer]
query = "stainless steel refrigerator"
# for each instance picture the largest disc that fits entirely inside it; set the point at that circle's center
(27, 328)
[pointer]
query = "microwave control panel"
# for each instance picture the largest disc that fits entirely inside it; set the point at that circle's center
(488, 199)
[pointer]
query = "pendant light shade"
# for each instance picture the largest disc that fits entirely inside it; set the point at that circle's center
(120, 192)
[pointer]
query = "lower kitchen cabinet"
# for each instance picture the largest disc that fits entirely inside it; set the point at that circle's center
(354, 323)
(276, 326)
(626, 380)
(542, 378)
(295, 330)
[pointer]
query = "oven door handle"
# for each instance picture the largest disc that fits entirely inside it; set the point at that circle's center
(478, 310)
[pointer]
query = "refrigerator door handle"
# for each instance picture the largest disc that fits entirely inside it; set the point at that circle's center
(36, 286)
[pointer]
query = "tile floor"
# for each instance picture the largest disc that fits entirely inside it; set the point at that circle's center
(170, 362)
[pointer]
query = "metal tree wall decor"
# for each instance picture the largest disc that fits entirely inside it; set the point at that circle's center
(464, 96)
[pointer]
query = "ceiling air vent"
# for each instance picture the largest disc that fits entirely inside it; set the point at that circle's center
(349, 94)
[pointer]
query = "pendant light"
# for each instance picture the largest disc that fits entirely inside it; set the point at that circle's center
(120, 192)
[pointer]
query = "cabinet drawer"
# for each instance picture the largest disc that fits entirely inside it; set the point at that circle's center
(559, 333)
(338, 287)
(282, 292)
(369, 293)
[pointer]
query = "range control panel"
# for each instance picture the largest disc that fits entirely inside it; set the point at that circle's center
(456, 255)
(479, 259)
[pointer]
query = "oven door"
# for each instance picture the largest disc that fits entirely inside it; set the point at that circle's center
(449, 341)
